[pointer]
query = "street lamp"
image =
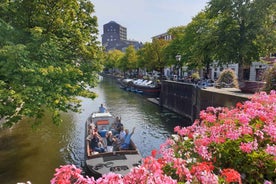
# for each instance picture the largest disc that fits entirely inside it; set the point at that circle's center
(178, 59)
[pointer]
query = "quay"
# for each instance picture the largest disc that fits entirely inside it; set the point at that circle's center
(188, 99)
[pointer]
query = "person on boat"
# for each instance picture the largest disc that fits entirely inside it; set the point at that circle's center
(120, 138)
(102, 109)
(127, 137)
(110, 140)
(117, 125)
(94, 141)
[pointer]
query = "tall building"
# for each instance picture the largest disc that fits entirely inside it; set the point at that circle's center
(115, 37)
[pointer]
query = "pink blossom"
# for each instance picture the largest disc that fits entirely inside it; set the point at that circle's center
(270, 129)
(271, 150)
(249, 147)
(211, 118)
(181, 169)
(260, 134)
(243, 118)
(233, 134)
(203, 152)
(246, 130)
(110, 178)
(203, 173)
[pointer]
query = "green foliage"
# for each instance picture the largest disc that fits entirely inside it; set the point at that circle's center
(113, 59)
(153, 55)
(253, 164)
(270, 79)
(48, 57)
(199, 41)
(228, 78)
(129, 59)
(175, 46)
(239, 28)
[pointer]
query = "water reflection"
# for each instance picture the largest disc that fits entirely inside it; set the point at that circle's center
(28, 154)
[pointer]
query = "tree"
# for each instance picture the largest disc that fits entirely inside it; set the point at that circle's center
(153, 55)
(113, 59)
(238, 24)
(267, 39)
(49, 58)
(175, 46)
(198, 42)
(129, 60)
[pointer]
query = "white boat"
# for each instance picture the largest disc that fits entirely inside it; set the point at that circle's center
(119, 162)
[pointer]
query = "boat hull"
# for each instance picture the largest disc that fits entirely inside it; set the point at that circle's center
(147, 90)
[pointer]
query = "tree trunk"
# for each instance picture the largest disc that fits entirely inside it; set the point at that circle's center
(240, 73)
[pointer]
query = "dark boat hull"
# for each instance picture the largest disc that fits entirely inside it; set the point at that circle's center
(150, 91)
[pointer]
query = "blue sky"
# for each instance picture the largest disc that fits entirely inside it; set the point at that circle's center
(146, 18)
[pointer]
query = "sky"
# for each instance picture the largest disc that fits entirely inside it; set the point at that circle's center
(146, 18)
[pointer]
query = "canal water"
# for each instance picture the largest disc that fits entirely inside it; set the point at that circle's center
(32, 154)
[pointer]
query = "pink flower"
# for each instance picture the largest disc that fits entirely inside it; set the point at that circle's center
(260, 134)
(271, 150)
(203, 172)
(246, 130)
(233, 134)
(110, 178)
(249, 147)
(270, 129)
(203, 152)
(211, 118)
(180, 166)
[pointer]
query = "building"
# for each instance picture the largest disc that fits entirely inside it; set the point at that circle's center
(115, 37)
(163, 36)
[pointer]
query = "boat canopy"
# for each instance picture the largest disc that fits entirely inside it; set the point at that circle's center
(99, 114)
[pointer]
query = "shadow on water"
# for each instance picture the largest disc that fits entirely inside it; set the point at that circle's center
(10, 145)
(28, 154)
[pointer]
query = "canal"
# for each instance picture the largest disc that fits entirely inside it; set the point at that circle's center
(32, 154)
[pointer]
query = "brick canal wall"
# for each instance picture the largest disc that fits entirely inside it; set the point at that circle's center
(188, 99)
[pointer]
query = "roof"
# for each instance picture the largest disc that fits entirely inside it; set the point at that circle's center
(98, 114)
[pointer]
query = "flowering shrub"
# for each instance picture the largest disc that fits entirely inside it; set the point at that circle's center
(228, 78)
(223, 146)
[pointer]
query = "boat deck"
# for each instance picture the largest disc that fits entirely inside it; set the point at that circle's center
(114, 162)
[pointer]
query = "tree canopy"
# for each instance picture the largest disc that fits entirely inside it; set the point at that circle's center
(49, 55)
(239, 25)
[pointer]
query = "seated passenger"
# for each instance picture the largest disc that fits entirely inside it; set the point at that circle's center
(93, 140)
(110, 141)
(102, 132)
(120, 138)
(102, 109)
(127, 137)
(116, 126)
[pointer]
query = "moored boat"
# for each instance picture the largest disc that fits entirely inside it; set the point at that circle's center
(145, 87)
(120, 161)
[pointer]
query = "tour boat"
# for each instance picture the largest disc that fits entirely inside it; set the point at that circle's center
(119, 162)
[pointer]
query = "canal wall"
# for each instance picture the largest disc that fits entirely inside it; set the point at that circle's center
(188, 99)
